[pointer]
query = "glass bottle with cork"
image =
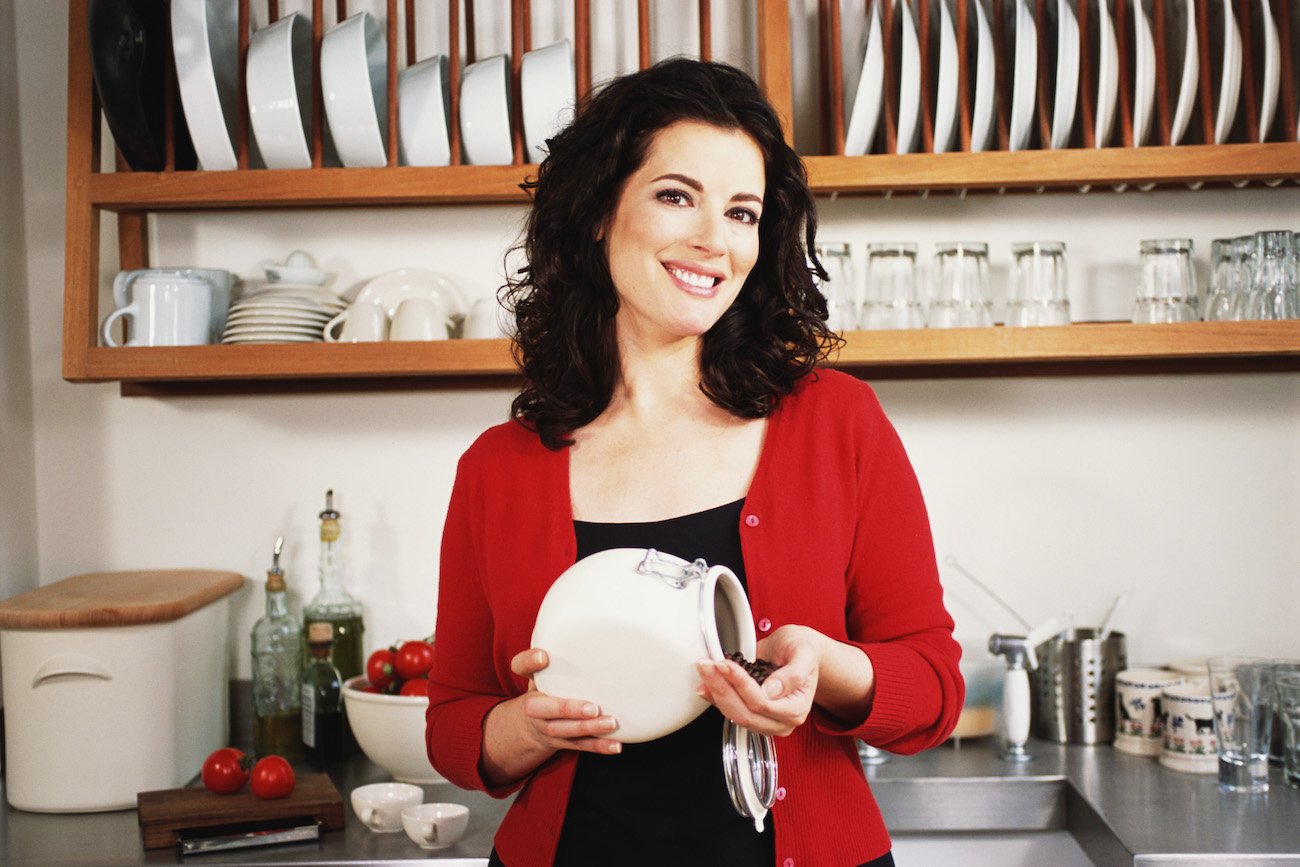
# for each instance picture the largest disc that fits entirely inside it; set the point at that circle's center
(322, 699)
(277, 670)
(332, 603)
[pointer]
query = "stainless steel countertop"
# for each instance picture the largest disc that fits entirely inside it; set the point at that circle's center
(1122, 810)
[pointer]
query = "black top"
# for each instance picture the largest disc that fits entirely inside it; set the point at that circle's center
(663, 801)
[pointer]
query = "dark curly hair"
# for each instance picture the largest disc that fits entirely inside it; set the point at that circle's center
(564, 298)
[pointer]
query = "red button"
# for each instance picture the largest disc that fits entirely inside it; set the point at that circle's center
(788, 862)
(780, 793)
(751, 520)
(764, 625)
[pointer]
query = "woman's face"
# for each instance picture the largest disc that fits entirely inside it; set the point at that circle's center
(684, 233)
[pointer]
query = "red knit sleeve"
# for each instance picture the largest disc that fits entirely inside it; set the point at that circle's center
(463, 684)
(894, 608)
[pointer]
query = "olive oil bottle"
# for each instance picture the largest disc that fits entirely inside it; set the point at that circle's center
(332, 603)
(277, 671)
(322, 699)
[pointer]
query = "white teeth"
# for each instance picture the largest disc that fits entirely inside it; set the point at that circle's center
(699, 281)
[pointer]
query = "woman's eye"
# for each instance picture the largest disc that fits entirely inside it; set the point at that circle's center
(744, 215)
(673, 197)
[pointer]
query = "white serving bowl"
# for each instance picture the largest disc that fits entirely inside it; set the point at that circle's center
(354, 81)
(205, 45)
(485, 112)
(548, 95)
(423, 113)
(279, 91)
(390, 731)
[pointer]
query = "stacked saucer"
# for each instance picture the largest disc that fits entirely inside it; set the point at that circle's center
(282, 313)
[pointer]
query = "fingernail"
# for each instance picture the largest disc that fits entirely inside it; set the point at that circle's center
(609, 724)
(773, 687)
(701, 691)
(538, 658)
(615, 747)
(590, 710)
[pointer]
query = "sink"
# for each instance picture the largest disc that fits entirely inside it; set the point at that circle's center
(927, 804)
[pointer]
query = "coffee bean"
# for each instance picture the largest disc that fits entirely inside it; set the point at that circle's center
(759, 669)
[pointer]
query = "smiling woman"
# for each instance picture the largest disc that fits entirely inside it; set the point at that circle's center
(668, 330)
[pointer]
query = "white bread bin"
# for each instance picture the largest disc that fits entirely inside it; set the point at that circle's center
(114, 683)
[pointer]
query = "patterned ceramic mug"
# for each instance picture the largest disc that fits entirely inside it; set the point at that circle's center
(1189, 744)
(1139, 719)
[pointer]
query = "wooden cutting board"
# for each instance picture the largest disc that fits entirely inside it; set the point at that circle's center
(164, 814)
(117, 598)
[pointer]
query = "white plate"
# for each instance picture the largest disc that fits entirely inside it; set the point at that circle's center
(1191, 73)
(242, 330)
(867, 101)
(297, 293)
(354, 80)
(272, 338)
(391, 289)
(981, 128)
(1144, 74)
(1107, 76)
(945, 102)
(254, 317)
(423, 106)
(1067, 74)
(280, 305)
(909, 84)
(205, 45)
(1025, 80)
(1272, 71)
(1230, 76)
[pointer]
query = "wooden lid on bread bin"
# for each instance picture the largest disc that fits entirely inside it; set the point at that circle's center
(117, 598)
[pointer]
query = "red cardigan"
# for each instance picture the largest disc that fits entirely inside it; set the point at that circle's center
(834, 535)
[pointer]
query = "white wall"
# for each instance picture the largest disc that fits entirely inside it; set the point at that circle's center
(1182, 490)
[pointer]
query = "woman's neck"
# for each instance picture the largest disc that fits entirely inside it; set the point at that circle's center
(655, 378)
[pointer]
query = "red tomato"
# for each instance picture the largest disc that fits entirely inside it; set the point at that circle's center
(225, 771)
(379, 668)
(416, 686)
(414, 659)
(272, 778)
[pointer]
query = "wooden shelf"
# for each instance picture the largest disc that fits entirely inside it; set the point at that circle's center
(1080, 348)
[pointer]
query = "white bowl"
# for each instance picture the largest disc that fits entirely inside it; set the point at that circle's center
(279, 91)
(548, 95)
(379, 806)
(205, 45)
(390, 731)
(435, 826)
(485, 112)
(423, 113)
(391, 288)
(354, 80)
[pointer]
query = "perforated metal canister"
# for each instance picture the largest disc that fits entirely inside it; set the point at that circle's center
(1074, 687)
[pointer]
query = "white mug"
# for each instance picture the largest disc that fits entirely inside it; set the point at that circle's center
(165, 311)
(379, 806)
(435, 826)
(1139, 719)
(418, 319)
(362, 323)
(1189, 742)
(220, 281)
(487, 319)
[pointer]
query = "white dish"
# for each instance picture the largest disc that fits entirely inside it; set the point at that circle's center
(1067, 74)
(279, 91)
(1025, 78)
(280, 305)
(391, 289)
(945, 101)
(485, 112)
(1144, 74)
(423, 110)
(299, 319)
(1229, 77)
(548, 95)
(297, 270)
(272, 338)
(272, 330)
(909, 84)
(1191, 73)
(1107, 76)
(865, 115)
(354, 81)
(981, 128)
(1272, 70)
(205, 45)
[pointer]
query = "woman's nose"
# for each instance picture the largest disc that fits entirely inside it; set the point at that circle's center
(709, 237)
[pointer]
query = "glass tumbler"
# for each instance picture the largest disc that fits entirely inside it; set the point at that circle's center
(1243, 263)
(1225, 283)
(1039, 293)
(1166, 282)
(1288, 693)
(959, 287)
(891, 294)
(1241, 692)
(1274, 286)
(840, 290)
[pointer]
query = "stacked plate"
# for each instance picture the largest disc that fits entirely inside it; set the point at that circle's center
(282, 314)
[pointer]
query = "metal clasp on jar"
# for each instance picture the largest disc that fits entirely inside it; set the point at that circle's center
(674, 574)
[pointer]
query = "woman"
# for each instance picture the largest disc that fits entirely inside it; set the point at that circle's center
(668, 329)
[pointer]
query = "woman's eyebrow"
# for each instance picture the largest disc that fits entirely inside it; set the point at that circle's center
(699, 187)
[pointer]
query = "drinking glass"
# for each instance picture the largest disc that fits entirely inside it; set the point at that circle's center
(1224, 282)
(959, 286)
(1039, 293)
(839, 289)
(1274, 293)
(1288, 692)
(891, 298)
(1243, 259)
(1166, 282)
(1241, 691)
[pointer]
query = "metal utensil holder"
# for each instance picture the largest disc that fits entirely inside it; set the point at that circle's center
(1074, 687)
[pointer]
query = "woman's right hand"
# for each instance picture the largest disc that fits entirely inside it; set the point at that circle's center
(522, 732)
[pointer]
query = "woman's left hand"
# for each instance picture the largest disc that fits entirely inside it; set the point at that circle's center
(785, 698)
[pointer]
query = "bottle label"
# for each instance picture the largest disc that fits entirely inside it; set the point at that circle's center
(308, 716)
